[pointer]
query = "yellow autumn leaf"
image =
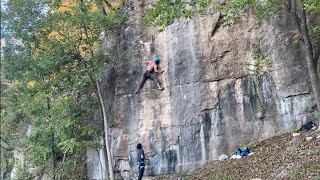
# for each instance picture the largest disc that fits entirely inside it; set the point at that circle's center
(31, 84)
(66, 5)
(94, 8)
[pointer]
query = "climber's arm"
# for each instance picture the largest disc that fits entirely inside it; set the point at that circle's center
(146, 61)
(156, 69)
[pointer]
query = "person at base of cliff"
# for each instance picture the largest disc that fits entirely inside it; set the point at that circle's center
(140, 161)
(149, 73)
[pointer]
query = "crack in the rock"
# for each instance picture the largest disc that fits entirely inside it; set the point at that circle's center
(294, 95)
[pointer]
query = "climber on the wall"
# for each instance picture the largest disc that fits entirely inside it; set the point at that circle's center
(151, 68)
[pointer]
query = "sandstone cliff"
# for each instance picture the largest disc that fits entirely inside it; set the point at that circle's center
(217, 95)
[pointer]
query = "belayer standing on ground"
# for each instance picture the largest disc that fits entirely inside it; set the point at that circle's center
(140, 161)
(151, 68)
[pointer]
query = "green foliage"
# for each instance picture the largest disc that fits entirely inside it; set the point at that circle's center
(165, 12)
(17, 59)
(259, 59)
(260, 105)
(268, 8)
(24, 19)
(312, 6)
(262, 10)
(74, 166)
(7, 162)
(46, 80)
(232, 10)
(259, 62)
(23, 174)
(315, 33)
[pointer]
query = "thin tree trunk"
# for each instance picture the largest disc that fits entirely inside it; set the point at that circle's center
(108, 4)
(53, 161)
(64, 157)
(105, 123)
(104, 113)
(313, 72)
(297, 9)
(106, 131)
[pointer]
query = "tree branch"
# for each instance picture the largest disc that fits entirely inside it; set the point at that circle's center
(6, 83)
(81, 59)
(63, 34)
(103, 11)
(6, 148)
(108, 4)
(4, 140)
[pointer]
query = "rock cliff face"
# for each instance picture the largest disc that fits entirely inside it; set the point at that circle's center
(218, 95)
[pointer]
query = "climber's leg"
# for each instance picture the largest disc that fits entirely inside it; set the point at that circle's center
(143, 80)
(156, 79)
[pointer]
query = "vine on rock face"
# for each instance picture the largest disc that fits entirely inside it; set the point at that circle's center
(259, 62)
(165, 12)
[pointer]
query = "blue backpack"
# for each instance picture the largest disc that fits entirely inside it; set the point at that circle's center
(244, 152)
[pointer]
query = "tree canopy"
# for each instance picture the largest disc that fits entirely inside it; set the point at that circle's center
(51, 59)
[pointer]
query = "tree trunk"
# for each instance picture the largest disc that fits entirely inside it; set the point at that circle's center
(96, 85)
(105, 123)
(53, 162)
(298, 10)
(106, 131)
(64, 158)
(313, 72)
(108, 4)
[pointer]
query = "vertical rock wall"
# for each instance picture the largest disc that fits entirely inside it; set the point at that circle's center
(96, 166)
(213, 101)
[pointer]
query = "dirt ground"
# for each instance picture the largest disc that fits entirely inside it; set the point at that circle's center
(281, 157)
